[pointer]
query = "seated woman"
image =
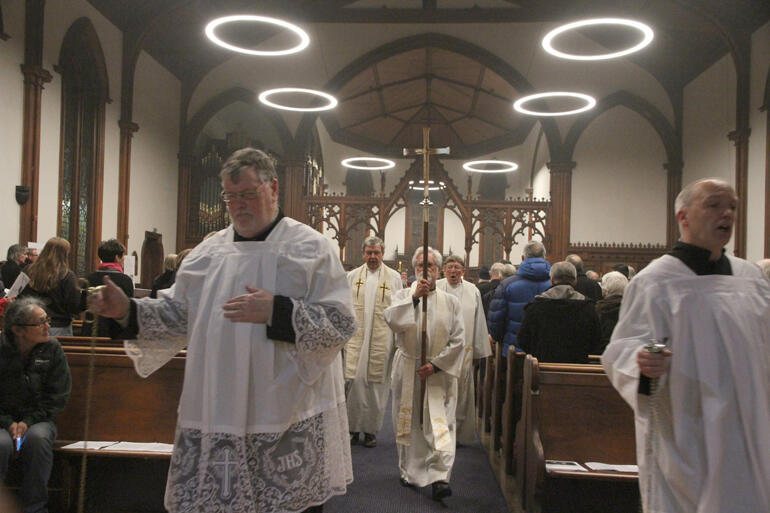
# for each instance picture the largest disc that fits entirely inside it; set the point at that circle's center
(55, 285)
(35, 384)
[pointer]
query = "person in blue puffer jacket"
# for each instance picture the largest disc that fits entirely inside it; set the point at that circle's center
(506, 310)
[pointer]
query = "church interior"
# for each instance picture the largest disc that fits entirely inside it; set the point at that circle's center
(118, 114)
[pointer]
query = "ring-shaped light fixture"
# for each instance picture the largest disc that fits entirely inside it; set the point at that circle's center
(590, 103)
(264, 95)
(304, 39)
(431, 185)
(386, 164)
(507, 166)
(647, 35)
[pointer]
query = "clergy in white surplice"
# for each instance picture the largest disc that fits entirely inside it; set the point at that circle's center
(368, 354)
(426, 450)
(702, 397)
(264, 311)
(476, 342)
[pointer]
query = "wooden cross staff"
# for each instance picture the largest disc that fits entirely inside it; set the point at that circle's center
(426, 151)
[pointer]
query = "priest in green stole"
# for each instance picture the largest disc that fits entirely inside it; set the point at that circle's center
(476, 342)
(426, 451)
(368, 353)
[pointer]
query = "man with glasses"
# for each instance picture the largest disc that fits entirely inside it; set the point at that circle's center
(426, 438)
(476, 342)
(264, 309)
(34, 387)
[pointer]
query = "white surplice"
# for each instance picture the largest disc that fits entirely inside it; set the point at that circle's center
(703, 440)
(367, 401)
(262, 425)
(476, 346)
(426, 453)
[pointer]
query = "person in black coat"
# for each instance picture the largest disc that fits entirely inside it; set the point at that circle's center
(15, 259)
(561, 325)
(35, 384)
(167, 277)
(613, 285)
(585, 285)
(111, 253)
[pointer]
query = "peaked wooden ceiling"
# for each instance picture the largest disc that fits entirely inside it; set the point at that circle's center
(467, 102)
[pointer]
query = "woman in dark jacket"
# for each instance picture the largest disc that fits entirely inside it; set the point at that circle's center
(613, 285)
(55, 285)
(165, 279)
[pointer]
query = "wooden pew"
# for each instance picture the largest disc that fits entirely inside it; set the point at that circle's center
(514, 380)
(497, 399)
(486, 402)
(574, 414)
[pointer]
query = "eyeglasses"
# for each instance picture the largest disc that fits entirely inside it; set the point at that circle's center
(40, 322)
(228, 197)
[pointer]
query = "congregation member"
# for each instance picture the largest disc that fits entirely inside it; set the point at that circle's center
(484, 278)
(264, 309)
(702, 403)
(496, 276)
(31, 255)
(34, 387)
(111, 253)
(594, 276)
(165, 279)
(426, 451)
(585, 285)
(764, 265)
(608, 308)
(367, 356)
(51, 280)
(16, 259)
(476, 344)
(506, 311)
(561, 325)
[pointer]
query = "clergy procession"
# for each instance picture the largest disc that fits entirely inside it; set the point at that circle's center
(385, 256)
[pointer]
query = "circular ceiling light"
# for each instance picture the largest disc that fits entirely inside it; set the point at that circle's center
(304, 39)
(646, 31)
(431, 185)
(332, 101)
(505, 166)
(590, 103)
(351, 163)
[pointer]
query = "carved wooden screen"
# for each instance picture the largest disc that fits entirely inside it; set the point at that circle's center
(357, 183)
(414, 220)
(492, 187)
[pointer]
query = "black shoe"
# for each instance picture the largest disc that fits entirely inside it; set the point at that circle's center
(440, 490)
(370, 440)
(405, 483)
(353, 438)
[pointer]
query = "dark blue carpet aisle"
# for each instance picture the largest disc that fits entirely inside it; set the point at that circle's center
(375, 487)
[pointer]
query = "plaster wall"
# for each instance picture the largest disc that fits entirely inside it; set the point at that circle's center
(619, 184)
(154, 164)
(757, 202)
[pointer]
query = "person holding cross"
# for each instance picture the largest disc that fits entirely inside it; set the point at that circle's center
(424, 413)
(368, 353)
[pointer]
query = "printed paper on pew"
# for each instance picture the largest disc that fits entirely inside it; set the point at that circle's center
(142, 447)
(553, 465)
(18, 285)
(593, 465)
(91, 444)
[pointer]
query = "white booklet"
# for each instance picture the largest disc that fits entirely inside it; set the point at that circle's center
(89, 445)
(18, 285)
(552, 465)
(142, 447)
(593, 465)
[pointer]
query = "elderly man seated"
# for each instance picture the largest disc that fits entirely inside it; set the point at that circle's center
(613, 285)
(561, 325)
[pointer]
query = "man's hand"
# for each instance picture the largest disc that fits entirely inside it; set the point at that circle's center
(110, 302)
(652, 365)
(256, 306)
(423, 288)
(17, 429)
(426, 370)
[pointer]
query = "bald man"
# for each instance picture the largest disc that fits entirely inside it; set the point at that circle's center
(702, 397)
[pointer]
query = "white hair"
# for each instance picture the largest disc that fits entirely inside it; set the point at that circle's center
(765, 266)
(497, 269)
(563, 272)
(614, 283)
(509, 270)
(436, 256)
(534, 249)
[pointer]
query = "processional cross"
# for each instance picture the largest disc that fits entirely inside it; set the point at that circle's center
(426, 151)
